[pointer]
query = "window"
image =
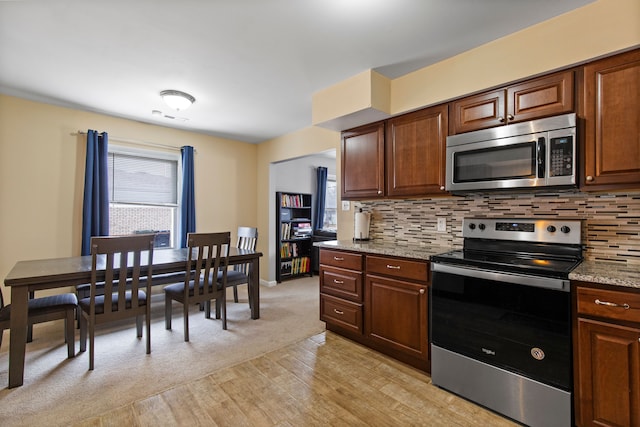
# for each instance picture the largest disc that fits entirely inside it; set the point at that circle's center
(143, 193)
(331, 205)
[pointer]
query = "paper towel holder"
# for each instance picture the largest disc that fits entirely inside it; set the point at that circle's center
(361, 226)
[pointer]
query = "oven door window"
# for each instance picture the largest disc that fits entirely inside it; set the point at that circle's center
(514, 161)
(519, 328)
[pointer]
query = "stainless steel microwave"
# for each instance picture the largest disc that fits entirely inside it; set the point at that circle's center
(538, 153)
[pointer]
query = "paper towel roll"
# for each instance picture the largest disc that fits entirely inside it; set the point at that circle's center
(361, 228)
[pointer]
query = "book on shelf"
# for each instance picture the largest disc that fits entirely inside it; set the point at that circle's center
(291, 201)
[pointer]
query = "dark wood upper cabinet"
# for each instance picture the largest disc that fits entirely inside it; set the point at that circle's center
(612, 123)
(362, 152)
(415, 148)
(533, 99)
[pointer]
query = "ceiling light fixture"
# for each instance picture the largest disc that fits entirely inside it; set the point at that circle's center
(177, 100)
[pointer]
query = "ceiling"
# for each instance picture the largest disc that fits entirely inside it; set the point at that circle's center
(252, 65)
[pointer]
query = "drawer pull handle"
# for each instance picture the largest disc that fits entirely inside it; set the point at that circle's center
(338, 282)
(393, 267)
(335, 258)
(612, 304)
(336, 311)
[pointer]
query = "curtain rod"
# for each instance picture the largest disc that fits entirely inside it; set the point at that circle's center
(137, 142)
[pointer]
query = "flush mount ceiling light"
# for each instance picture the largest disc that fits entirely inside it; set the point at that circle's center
(177, 100)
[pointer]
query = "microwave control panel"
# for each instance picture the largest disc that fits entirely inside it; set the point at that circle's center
(561, 156)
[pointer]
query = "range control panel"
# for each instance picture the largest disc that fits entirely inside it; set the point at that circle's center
(567, 232)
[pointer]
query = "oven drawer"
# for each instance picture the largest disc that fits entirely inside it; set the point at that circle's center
(341, 283)
(618, 305)
(341, 259)
(342, 313)
(401, 268)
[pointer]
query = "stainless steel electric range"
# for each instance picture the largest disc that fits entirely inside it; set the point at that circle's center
(500, 317)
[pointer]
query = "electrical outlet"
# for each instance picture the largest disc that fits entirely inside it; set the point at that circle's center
(442, 224)
(346, 205)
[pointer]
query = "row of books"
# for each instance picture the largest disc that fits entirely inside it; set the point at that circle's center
(295, 229)
(289, 250)
(291, 201)
(296, 266)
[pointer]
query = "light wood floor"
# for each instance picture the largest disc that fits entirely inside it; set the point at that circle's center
(324, 380)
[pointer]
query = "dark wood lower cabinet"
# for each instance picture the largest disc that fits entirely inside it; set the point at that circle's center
(607, 357)
(397, 315)
(609, 372)
(389, 313)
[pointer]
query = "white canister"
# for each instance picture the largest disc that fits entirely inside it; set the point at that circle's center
(361, 225)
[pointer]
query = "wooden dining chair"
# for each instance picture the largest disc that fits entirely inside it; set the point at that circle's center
(207, 253)
(124, 294)
(46, 309)
(239, 274)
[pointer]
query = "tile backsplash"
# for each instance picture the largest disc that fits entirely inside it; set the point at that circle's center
(610, 221)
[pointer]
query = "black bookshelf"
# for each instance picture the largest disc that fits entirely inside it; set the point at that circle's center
(294, 230)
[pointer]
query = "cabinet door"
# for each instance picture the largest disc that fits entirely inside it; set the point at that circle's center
(608, 383)
(542, 97)
(415, 147)
(477, 112)
(612, 122)
(396, 315)
(362, 153)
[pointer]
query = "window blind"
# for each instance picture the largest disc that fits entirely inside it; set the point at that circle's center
(137, 179)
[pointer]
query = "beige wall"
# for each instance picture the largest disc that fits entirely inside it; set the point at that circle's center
(42, 172)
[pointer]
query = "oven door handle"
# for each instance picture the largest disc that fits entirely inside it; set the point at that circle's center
(520, 279)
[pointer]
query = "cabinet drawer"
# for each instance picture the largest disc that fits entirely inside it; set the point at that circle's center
(341, 259)
(339, 312)
(617, 305)
(341, 283)
(413, 270)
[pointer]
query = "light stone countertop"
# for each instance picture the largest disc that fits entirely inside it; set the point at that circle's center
(384, 248)
(607, 273)
(588, 271)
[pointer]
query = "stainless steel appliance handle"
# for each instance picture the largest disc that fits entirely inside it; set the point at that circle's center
(520, 279)
(541, 154)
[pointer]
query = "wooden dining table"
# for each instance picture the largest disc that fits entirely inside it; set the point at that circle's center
(34, 275)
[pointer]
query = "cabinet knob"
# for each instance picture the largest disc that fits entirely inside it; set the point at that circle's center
(501, 119)
(589, 178)
(442, 187)
(379, 191)
(421, 291)
(509, 117)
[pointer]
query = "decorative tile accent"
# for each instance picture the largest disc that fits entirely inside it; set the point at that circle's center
(610, 222)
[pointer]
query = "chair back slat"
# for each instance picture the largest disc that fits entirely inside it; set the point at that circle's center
(210, 251)
(123, 270)
(247, 239)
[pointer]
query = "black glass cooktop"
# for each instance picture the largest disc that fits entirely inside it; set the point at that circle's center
(522, 263)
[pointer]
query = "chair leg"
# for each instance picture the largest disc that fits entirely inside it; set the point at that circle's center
(207, 309)
(217, 308)
(185, 316)
(29, 333)
(148, 318)
(83, 333)
(223, 305)
(69, 333)
(139, 326)
(235, 293)
(167, 312)
(92, 332)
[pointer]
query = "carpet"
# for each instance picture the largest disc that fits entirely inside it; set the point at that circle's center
(60, 391)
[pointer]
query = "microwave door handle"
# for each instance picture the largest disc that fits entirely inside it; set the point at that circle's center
(540, 154)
